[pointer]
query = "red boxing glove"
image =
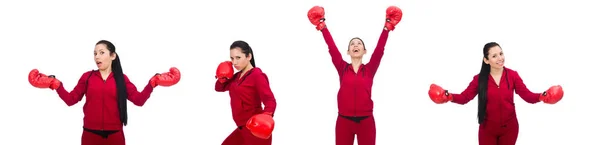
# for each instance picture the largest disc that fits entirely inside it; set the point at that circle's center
(166, 79)
(261, 125)
(316, 15)
(224, 71)
(552, 95)
(438, 95)
(393, 16)
(40, 80)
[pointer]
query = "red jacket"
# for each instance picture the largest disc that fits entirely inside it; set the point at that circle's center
(500, 104)
(100, 110)
(247, 94)
(354, 95)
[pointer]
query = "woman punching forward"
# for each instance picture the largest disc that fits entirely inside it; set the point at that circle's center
(355, 106)
(495, 86)
(248, 88)
(107, 91)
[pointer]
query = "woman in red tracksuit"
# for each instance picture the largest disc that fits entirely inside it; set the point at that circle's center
(355, 106)
(248, 88)
(496, 114)
(106, 91)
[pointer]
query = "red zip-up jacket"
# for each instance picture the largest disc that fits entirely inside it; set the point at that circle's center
(354, 95)
(247, 93)
(500, 104)
(100, 109)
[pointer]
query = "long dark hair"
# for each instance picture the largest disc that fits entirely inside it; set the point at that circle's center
(119, 79)
(246, 49)
(483, 83)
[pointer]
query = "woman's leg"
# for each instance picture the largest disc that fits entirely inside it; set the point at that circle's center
(511, 132)
(487, 135)
(366, 131)
(88, 138)
(117, 138)
(344, 131)
(235, 138)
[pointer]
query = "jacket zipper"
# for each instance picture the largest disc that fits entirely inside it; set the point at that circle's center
(355, 101)
(508, 88)
(239, 81)
(501, 99)
(500, 104)
(355, 95)
(103, 97)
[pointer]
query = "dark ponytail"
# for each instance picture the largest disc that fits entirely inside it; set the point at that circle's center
(482, 91)
(246, 49)
(252, 60)
(483, 84)
(120, 81)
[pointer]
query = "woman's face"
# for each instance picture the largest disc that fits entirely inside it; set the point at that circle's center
(239, 59)
(495, 58)
(103, 57)
(356, 48)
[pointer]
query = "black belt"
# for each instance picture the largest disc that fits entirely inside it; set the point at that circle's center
(356, 119)
(102, 133)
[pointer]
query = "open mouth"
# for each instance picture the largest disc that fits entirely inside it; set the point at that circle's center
(98, 63)
(355, 50)
(500, 62)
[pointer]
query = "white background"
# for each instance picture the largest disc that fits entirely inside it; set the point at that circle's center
(548, 43)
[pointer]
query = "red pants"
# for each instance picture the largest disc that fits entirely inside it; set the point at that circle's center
(88, 138)
(492, 133)
(345, 129)
(242, 136)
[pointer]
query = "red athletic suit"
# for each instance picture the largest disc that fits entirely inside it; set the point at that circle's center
(101, 122)
(500, 126)
(246, 94)
(354, 97)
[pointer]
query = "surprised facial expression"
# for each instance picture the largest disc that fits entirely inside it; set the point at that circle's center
(103, 57)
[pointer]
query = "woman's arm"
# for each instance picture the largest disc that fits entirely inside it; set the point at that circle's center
(71, 98)
(522, 90)
(136, 97)
(222, 87)
(468, 94)
(336, 56)
(265, 93)
(377, 55)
